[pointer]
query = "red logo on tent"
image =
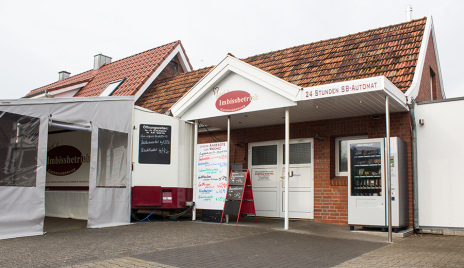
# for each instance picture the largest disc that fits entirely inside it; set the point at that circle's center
(233, 101)
(64, 160)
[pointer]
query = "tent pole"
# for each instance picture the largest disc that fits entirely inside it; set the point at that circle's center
(388, 169)
(287, 164)
(195, 163)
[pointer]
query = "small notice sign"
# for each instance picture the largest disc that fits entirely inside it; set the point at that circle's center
(155, 144)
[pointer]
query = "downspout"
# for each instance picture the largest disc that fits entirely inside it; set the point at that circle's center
(415, 193)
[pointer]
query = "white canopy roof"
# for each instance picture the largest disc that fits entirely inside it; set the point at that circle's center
(256, 98)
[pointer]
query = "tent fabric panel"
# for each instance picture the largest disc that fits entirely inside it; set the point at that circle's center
(109, 205)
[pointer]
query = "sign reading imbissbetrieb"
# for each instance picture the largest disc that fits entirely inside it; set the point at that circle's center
(343, 88)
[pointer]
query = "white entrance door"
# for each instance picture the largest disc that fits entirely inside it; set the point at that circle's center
(267, 167)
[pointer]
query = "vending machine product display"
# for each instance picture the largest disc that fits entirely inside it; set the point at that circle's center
(367, 202)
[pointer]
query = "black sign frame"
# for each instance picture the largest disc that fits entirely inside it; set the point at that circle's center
(155, 144)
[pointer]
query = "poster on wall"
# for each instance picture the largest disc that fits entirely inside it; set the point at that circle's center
(155, 144)
(212, 175)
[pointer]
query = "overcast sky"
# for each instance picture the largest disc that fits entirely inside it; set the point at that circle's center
(41, 38)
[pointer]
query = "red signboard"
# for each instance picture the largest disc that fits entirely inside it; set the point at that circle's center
(233, 101)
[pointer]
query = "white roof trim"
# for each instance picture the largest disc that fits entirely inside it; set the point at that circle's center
(232, 64)
(382, 84)
(59, 91)
(413, 90)
(184, 63)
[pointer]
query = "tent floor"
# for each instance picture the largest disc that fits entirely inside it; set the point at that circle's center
(52, 224)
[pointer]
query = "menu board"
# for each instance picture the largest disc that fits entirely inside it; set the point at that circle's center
(212, 175)
(155, 144)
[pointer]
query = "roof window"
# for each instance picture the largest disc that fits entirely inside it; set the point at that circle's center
(111, 88)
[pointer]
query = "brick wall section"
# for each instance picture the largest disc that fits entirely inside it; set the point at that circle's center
(330, 193)
(168, 71)
(430, 64)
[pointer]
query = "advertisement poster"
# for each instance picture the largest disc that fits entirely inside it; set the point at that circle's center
(212, 176)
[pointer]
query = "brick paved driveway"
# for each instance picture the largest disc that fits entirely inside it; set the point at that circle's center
(198, 244)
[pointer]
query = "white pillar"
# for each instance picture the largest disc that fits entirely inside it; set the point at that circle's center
(388, 169)
(287, 164)
(228, 144)
(228, 155)
(195, 164)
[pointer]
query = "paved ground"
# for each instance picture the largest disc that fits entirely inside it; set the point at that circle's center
(200, 244)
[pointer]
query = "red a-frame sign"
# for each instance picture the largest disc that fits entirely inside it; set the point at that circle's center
(239, 198)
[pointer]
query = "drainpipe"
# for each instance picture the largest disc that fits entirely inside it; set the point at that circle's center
(415, 192)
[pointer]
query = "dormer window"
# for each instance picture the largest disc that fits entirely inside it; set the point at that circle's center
(111, 88)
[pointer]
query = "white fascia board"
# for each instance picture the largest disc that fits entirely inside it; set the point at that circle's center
(413, 90)
(395, 93)
(335, 89)
(437, 59)
(184, 63)
(59, 91)
(232, 64)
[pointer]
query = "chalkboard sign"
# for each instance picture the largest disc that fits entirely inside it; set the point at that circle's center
(238, 178)
(235, 192)
(232, 208)
(239, 198)
(155, 144)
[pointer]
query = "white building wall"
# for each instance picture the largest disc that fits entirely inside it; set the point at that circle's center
(178, 172)
(440, 148)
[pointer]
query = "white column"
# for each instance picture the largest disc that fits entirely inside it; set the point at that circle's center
(287, 164)
(195, 164)
(228, 144)
(228, 155)
(388, 168)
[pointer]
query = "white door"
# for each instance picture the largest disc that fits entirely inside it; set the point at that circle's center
(267, 167)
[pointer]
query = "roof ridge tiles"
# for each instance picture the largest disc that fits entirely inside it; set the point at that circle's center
(340, 39)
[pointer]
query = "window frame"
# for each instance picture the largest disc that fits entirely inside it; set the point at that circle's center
(337, 152)
(108, 90)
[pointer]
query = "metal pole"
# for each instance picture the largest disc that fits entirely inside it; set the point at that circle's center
(287, 160)
(195, 170)
(388, 169)
(228, 155)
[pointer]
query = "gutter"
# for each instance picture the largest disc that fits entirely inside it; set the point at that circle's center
(415, 191)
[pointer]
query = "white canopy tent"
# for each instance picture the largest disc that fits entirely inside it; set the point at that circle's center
(24, 125)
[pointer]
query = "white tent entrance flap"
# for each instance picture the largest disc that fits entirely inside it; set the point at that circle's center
(24, 128)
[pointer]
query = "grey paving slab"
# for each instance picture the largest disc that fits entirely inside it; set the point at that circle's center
(273, 249)
(199, 244)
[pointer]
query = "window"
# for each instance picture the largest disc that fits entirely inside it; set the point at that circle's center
(341, 154)
(300, 153)
(19, 143)
(111, 88)
(264, 155)
(112, 158)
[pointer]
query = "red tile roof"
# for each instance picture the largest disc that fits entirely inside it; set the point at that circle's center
(135, 69)
(160, 96)
(68, 82)
(390, 51)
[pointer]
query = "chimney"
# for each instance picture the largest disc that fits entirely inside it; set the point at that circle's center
(63, 75)
(100, 60)
(409, 13)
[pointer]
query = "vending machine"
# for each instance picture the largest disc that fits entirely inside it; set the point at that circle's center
(367, 202)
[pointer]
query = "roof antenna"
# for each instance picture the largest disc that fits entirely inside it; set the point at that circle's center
(408, 13)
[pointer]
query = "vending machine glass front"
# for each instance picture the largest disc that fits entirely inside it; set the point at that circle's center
(366, 169)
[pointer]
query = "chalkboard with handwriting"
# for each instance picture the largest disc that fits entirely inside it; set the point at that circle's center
(238, 177)
(155, 144)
